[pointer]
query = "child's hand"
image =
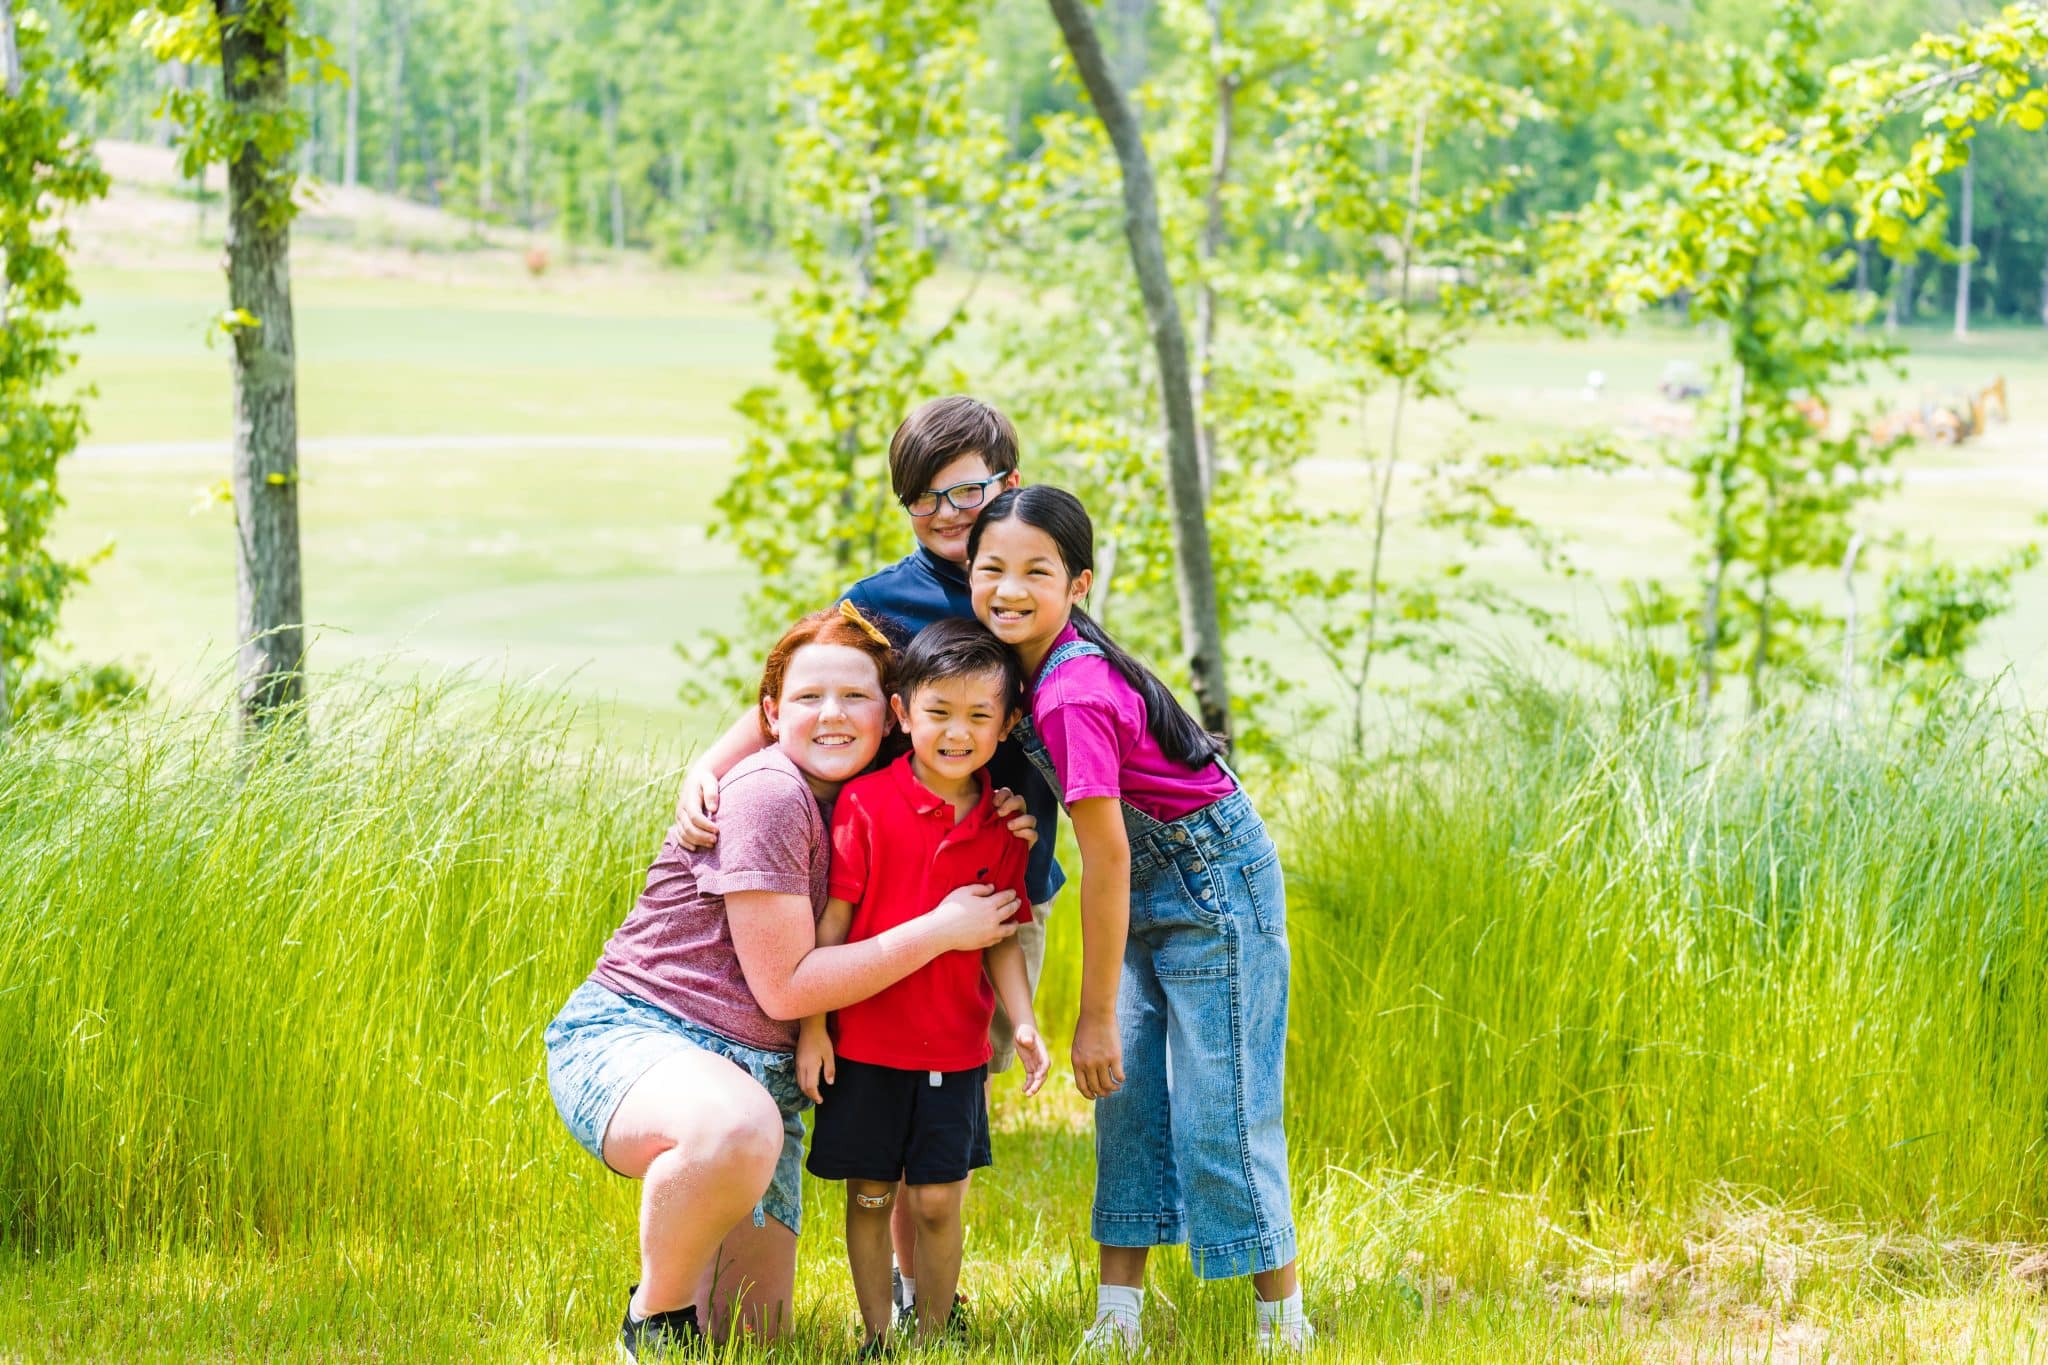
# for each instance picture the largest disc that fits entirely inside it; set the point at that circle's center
(695, 807)
(1023, 824)
(1098, 1057)
(814, 1060)
(1031, 1050)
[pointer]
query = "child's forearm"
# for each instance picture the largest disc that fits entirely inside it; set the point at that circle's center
(833, 927)
(1105, 925)
(1004, 964)
(1105, 903)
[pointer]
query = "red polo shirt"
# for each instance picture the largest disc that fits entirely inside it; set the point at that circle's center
(897, 851)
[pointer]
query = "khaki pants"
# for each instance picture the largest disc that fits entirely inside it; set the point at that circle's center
(1002, 1043)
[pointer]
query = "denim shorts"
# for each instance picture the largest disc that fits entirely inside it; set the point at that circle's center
(1192, 1147)
(602, 1043)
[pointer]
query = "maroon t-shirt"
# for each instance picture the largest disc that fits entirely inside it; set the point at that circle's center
(675, 949)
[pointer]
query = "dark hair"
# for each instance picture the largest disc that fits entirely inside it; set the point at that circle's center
(958, 647)
(1061, 516)
(940, 432)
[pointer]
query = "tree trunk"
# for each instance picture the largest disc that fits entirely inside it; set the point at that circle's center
(611, 166)
(1710, 612)
(522, 117)
(1211, 246)
(484, 189)
(1383, 491)
(10, 80)
(1849, 626)
(352, 147)
(394, 153)
(1964, 237)
(1201, 628)
(255, 78)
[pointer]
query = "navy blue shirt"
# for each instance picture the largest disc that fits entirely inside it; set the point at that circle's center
(903, 599)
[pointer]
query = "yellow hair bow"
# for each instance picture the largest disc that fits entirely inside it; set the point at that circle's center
(852, 613)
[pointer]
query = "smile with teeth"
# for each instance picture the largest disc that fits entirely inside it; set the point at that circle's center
(832, 741)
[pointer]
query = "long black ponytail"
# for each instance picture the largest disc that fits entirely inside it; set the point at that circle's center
(1061, 516)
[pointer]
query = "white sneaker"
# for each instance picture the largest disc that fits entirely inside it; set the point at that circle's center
(1112, 1335)
(1273, 1341)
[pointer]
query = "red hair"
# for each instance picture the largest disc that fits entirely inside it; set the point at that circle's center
(841, 625)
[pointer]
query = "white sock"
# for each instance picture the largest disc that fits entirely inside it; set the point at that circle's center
(1122, 1302)
(1283, 1316)
(909, 1291)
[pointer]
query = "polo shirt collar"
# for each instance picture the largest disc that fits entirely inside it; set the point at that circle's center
(924, 800)
(943, 568)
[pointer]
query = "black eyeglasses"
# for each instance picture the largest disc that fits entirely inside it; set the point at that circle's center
(961, 497)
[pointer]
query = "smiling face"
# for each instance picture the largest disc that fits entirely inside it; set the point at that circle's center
(944, 532)
(831, 716)
(1020, 587)
(954, 726)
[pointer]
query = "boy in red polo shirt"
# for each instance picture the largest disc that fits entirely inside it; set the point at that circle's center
(905, 1071)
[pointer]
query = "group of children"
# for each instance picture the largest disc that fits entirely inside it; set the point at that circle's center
(1003, 681)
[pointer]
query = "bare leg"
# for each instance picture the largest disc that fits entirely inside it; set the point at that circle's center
(703, 1137)
(1275, 1285)
(939, 1238)
(903, 1231)
(867, 1251)
(750, 1287)
(1124, 1265)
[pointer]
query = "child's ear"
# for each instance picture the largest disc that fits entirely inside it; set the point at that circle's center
(768, 715)
(899, 715)
(1013, 479)
(1010, 723)
(1082, 582)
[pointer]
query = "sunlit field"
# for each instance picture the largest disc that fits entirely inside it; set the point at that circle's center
(517, 474)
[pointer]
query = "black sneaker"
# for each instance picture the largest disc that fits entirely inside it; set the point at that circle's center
(958, 1324)
(673, 1335)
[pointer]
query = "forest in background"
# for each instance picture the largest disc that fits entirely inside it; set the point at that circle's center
(654, 123)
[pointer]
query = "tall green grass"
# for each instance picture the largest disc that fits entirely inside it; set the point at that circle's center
(1591, 958)
(1562, 974)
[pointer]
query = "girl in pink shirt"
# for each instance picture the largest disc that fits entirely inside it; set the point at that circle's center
(1184, 937)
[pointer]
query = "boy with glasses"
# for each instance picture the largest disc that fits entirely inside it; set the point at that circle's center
(947, 461)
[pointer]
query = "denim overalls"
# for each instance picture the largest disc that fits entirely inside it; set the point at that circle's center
(1199, 1156)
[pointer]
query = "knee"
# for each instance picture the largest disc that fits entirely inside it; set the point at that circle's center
(936, 1206)
(869, 1199)
(744, 1137)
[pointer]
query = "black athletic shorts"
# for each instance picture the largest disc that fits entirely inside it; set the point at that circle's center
(878, 1123)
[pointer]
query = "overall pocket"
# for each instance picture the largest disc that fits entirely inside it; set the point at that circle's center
(1265, 886)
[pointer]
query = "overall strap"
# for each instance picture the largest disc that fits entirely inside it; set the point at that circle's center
(1072, 649)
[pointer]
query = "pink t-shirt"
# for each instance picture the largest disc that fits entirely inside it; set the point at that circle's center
(675, 948)
(1093, 726)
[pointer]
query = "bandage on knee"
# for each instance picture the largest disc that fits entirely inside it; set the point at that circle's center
(874, 1201)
